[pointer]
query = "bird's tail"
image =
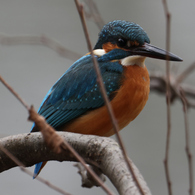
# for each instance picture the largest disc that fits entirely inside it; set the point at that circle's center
(38, 168)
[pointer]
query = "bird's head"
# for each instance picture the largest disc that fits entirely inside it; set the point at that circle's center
(132, 38)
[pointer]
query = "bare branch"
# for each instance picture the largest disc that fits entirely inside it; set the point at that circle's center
(93, 13)
(14, 93)
(185, 73)
(188, 150)
(168, 98)
(105, 152)
(39, 40)
(158, 84)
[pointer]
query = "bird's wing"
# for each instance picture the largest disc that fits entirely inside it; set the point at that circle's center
(77, 91)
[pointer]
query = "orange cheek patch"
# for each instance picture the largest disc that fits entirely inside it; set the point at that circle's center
(109, 46)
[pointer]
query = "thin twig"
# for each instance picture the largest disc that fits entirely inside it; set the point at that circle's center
(158, 84)
(189, 90)
(22, 167)
(39, 40)
(185, 73)
(187, 135)
(105, 97)
(94, 13)
(14, 93)
(168, 98)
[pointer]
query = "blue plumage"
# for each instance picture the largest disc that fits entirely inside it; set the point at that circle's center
(77, 91)
(37, 168)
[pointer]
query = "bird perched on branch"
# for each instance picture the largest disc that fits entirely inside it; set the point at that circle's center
(75, 103)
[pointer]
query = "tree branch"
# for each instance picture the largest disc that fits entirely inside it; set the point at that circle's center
(158, 84)
(39, 40)
(102, 152)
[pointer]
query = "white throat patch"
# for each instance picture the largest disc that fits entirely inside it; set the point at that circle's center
(99, 52)
(128, 61)
(134, 60)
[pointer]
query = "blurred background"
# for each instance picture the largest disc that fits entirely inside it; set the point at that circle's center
(32, 69)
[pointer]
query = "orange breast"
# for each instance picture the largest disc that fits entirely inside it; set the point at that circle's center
(127, 104)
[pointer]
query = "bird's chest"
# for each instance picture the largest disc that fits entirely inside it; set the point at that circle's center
(128, 102)
(132, 95)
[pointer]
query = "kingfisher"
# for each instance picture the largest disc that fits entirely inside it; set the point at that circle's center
(75, 103)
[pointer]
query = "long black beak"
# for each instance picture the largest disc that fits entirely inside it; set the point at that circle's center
(152, 51)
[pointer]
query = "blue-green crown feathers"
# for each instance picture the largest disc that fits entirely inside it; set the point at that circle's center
(116, 29)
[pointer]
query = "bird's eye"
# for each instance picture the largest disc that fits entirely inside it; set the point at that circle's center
(121, 42)
(124, 43)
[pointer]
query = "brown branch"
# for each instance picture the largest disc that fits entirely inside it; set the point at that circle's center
(168, 98)
(39, 40)
(105, 97)
(93, 13)
(158, 84)
(188, 150)
(14, 93)
(103, 152)
(185, 73)
(189, 90)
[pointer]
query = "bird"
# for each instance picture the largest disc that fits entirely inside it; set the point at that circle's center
(75, 103)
